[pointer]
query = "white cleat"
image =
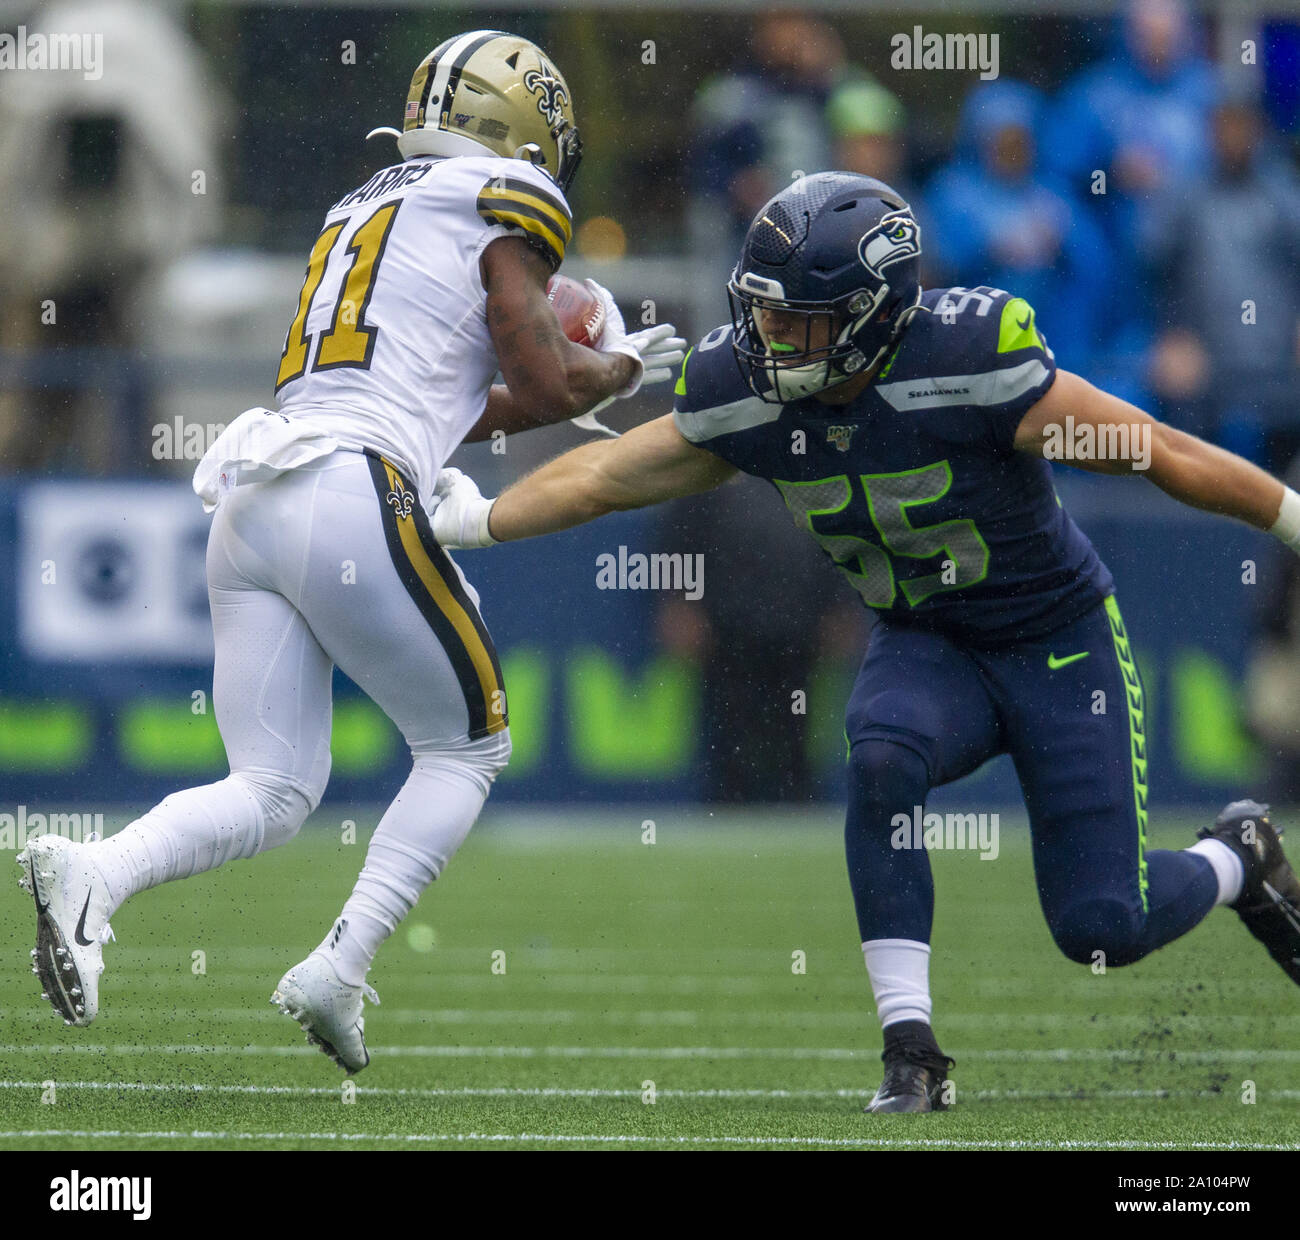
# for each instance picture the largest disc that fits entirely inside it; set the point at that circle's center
(327, 1010)
(71, 924)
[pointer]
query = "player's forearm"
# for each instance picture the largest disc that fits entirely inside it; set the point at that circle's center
(1203, 476)
(569, 491)
(590, 380)
(593, 376)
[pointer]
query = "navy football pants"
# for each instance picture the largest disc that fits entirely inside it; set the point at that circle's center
(925, 711)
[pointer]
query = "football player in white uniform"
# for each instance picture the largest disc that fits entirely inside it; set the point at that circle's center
(424, 283)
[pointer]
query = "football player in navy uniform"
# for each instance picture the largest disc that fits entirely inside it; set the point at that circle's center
(907, 431)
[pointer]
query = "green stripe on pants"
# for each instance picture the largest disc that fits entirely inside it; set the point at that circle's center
(1137, 734)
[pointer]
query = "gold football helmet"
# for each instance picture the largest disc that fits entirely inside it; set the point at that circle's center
(488, 89)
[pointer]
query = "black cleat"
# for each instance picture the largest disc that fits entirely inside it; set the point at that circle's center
(1269, 903)
(916, 1072)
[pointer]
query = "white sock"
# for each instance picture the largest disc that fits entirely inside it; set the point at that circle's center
(199, 829)
(1228, 868)
(420, 833)
(351, 945)
(900, 979)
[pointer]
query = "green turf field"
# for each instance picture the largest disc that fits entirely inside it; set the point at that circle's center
(629, 969)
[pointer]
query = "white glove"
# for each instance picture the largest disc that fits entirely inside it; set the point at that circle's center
(460, 519)
(614, 338)
(661, 350)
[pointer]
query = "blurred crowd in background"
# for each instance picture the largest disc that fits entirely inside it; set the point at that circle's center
(1131, 174)
(1136, 189)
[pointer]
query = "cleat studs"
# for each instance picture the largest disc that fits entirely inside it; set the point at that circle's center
(75, 992)
(67, 966)
(60, 951)
(66, 1021)
(45, 996)
(32, 953)
(80, 1010)
(35, 970)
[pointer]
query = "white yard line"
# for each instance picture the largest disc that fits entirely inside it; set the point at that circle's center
(870, 1055)
(534, 1138)
(524, 1092)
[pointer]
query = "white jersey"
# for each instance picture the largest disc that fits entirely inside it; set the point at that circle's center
(389, 348)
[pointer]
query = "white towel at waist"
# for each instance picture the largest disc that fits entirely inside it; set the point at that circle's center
(257, 446)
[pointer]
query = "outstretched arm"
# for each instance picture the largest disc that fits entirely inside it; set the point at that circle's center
(651, 463)
(1189, 469)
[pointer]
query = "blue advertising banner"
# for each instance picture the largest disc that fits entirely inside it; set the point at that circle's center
(105, 682)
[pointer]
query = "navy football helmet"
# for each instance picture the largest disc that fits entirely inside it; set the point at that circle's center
(841, 252)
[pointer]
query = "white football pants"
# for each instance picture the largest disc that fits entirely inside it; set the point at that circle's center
(332, 563)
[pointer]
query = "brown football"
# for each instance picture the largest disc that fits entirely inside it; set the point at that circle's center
(581, 314)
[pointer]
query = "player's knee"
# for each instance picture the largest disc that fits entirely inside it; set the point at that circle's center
(888, 772)
(1106, 932)
(285, 804)
(480, 761)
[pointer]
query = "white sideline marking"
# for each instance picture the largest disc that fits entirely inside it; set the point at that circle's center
(1059, 1055)
(625, 1139)
(519, 1091)
(689, 1018)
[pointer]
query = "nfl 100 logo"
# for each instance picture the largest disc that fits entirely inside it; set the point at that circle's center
(840, 436)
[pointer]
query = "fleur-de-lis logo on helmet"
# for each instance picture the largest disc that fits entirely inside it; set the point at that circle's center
(401, 499)
(552, 95)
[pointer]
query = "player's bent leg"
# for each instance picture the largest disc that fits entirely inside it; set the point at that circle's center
(1114, 930)
(406, 628)
(1078, 738)
(271, 690)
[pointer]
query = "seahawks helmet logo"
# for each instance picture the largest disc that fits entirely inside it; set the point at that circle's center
(551, 92)
(896, 237)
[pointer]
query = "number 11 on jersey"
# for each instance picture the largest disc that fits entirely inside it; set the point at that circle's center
(348, 342)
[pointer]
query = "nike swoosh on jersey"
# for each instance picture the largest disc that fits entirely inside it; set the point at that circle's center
(1023, 324)
(80, 933)
(1054, 662)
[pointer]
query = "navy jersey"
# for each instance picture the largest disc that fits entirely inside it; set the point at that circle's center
(914, 488)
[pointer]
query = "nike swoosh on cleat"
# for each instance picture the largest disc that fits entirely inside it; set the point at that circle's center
(1053, 662)
(79, 933)
(41, 909)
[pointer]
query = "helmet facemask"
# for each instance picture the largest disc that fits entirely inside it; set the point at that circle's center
(833, 338)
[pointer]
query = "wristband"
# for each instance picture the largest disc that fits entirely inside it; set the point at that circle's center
(1287, 526)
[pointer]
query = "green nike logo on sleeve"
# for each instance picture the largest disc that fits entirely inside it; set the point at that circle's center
(1053, 662)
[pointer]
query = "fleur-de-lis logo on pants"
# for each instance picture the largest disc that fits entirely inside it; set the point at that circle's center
(401, 499)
